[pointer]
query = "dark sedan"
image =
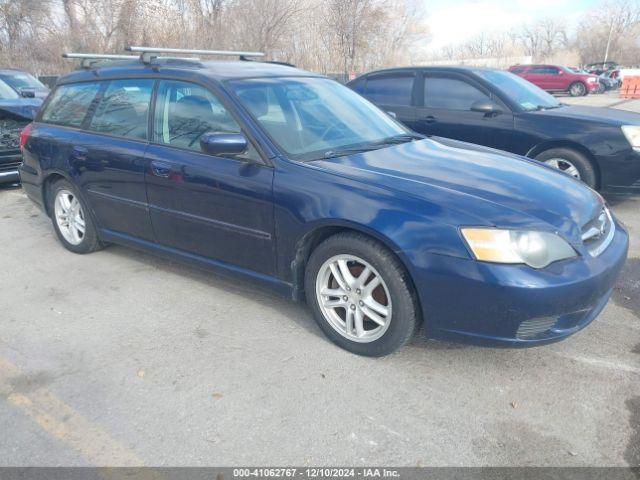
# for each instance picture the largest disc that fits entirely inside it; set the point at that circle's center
(23, 83)
(497, 109)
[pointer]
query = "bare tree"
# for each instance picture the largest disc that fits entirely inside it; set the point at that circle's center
(614, 23)
(327, 36)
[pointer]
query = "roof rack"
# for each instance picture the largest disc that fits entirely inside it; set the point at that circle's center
(147, 54)
(90, 59)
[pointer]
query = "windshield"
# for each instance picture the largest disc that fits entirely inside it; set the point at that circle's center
(519, 90)
(6, 92)
(20, 80)
(311, 118)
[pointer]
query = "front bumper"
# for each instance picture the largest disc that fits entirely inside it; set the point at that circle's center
(620, 173)
(592, 86)
(9, 163)
(515, 305)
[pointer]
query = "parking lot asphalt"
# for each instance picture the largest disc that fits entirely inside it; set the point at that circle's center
(122, 358)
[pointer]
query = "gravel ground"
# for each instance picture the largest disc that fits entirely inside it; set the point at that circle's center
(122, 358)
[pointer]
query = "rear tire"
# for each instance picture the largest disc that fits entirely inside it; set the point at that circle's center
(568, 160)
(71, 219)
(577, 89)
(372, 316)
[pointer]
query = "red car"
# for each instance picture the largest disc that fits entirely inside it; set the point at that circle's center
(556, 78)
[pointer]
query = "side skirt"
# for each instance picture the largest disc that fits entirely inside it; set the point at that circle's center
(222, 268)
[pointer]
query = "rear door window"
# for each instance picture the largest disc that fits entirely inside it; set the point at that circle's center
(451, 94)
(390, 89)
(69, 104)
(124, 109)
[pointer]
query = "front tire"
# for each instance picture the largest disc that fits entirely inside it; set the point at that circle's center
(570, 162)
(360, 295)
(577, 89)
(71, 219)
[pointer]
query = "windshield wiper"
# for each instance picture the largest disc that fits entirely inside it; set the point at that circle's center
(393, 140)
(547, 107)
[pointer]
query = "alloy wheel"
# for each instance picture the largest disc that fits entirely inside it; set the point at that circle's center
(564, 166)
(577, 90)
(353, 298)
(69, 217)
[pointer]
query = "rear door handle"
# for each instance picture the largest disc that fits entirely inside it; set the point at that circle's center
(79, 153)
(430, 119)
(160, 169)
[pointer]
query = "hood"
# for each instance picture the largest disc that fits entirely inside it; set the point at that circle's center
(20, 108)
(609, 116)
(477, 185)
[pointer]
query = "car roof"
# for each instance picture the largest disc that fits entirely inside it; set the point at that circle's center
(439, 68)
(216, 70)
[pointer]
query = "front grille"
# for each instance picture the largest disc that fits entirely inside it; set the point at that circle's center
(534, 327)
(9, 166)
(598, 232)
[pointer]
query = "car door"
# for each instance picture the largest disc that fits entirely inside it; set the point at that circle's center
(445, 110)
(392, 92)
(108, 154)
(218, 207)
(538, 76)
(555, 78)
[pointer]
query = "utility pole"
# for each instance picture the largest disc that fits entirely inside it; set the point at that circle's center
(606, 52)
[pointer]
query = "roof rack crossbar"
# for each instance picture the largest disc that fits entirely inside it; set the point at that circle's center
(90, 59)
(98, 56)
(149, 53)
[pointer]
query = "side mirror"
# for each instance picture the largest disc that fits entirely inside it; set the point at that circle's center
(217, 143)
(487, 107)
(560, 72)
(27, 92)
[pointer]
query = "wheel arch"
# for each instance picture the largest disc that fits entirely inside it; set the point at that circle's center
(47, 182)
(550, 144)
(312, 238)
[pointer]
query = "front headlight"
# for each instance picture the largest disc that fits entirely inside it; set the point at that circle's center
(632, 132)
(534, 248)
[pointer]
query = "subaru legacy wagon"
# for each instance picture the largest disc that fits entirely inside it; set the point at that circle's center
(293, 181)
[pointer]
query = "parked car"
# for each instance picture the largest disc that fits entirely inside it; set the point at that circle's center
(599, 146)
(556, 78)
(15, 113)
(603, 83)
(294, 181)
(601, 67)
(24, 84)
(610, 80)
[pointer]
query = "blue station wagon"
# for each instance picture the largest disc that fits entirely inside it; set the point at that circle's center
(294, 181)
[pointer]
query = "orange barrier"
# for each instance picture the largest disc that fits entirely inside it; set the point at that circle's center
(630, 87)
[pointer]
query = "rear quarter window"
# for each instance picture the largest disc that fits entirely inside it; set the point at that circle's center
(69, 104)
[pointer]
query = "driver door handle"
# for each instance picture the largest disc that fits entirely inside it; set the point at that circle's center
(160, 169)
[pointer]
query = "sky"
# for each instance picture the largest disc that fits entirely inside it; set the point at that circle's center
(454, 21)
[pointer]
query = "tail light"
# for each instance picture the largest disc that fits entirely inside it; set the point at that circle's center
(24, 134)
